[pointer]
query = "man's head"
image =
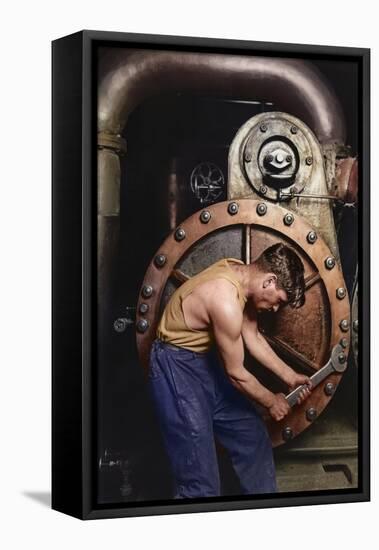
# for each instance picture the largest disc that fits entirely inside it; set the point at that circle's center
(282, 279)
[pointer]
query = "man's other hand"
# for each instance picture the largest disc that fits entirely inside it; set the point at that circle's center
(280, 408)
(300, 380)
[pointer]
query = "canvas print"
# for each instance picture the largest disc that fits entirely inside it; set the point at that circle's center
(227, 275)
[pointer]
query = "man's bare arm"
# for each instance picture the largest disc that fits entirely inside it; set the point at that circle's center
(227, 318)
(261, 350)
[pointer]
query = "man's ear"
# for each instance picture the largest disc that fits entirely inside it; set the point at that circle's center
(270, 278)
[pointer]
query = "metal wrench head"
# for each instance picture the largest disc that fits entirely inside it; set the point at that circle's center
(338, 358)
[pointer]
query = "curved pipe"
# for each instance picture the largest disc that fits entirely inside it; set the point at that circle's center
(293, 85)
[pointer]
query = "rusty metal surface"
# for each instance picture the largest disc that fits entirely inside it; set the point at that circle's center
(129, 77)
(346, 179)
(320, 321)
(247, 174)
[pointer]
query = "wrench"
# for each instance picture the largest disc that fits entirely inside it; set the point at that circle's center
(336, 363)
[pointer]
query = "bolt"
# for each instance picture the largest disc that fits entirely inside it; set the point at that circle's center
(261, 209)
(119, 325)
(330, 262)
(160, 260)
(289, 159)
(329, 389)
(180, 234)
(311, 414)
(263, 189)
(341, 293)
(279, 158)
(293, 130)
(247, 156)
(309, 161)
(288, 219)
(287, 433)
(269, 158)
(355, 325)
(263, 128)
(312, 237)
(205, 216)
(143, 308)
(344, 342)
(342, 358)
(344, 325)
(147, 291)
(142, 325)
(233, 208)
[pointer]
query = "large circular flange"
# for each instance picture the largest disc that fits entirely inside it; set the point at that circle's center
(297, 232)
(271, 136)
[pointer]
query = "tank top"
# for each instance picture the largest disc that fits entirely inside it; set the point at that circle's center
(172, 327)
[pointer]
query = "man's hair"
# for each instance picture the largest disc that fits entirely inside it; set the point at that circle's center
(289, 270)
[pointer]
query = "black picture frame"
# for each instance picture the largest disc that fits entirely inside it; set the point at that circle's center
(75, 283)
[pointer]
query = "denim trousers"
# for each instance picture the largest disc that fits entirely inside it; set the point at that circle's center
(195, 403)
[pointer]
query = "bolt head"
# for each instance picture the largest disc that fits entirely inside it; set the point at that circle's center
(355, 325)
(309, 161)
(233, 208)
(312, 237)
(269, 158)
(344, 342)
(311, 414)
(293, 130)
(289, 158)
(205, 216)
(329, 389)
(263, 189)
(143, 308)
(341, 293)
(263, 127)
(247, 156)
(330, 262)
(160, 260)
(287, 433)
(261, 209)
(342, 358)
(142, 325)
(119, 325)
(344, 325)
(288, 219)
(180, 234)
(147, 291)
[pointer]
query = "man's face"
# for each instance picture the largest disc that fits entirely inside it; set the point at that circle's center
(269, 297)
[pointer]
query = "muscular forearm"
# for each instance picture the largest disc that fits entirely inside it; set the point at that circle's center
(259, 348)
(245, 382)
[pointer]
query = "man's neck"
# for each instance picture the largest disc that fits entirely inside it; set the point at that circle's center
(249, 278)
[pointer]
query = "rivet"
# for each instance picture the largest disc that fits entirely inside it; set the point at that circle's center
(311, 414)
(344, 342)
(160, 260)
(342, 358)
(233, 208)
(143, 308)
(355, 325)
(341, 293)
(142, 325)
(329, 388)
(312, 237)
(287, 433)
(247, 156)
(330, 262)
(147, 291)
(263, 189)
(261, 209)
(293, 130)
(205, 216)
(263, 128)
(309, 161)
(180, 234)
(344, 325)
(288, 219)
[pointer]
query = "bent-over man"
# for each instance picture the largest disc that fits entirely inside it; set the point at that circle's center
(197, 399)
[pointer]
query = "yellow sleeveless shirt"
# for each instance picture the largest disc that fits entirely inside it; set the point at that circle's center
(173, 328)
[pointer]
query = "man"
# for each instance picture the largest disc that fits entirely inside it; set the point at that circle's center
(196, 398)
